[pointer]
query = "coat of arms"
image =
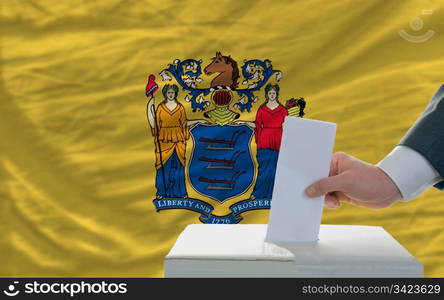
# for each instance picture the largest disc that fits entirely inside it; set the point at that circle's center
(221, 166)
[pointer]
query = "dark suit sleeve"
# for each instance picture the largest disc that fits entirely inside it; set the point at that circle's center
(426, 136)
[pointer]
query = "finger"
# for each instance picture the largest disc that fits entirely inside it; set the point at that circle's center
(331, 201)
(326, 185)
(341, 197)
(368, 204)
(333, 168)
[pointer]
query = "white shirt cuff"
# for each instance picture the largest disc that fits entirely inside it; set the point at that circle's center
(410, 171)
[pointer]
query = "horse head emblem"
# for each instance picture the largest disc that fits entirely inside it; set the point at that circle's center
(227, 69)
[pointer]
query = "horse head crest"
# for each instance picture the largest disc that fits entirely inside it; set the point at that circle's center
(227, 69)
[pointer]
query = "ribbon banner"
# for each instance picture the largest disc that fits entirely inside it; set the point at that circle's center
(206, 209)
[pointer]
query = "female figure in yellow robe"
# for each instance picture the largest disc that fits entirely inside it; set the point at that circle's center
(170, 128)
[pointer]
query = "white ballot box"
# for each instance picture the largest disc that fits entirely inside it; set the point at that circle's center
(204, 250)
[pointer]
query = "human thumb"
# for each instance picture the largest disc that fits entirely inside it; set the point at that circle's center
(325, 185)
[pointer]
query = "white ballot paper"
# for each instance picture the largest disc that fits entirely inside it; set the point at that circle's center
(304, 158)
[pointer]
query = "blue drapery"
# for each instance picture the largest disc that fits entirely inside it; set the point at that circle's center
(267, 159)
(174, 174)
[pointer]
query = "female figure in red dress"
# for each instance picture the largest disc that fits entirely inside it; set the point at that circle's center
(268, 133)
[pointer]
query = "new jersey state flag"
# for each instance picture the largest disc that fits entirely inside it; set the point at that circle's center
(102, 165)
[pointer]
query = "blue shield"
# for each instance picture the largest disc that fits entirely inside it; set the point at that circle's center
(221, 166)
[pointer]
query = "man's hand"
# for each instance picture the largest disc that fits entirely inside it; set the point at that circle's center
(354, 181)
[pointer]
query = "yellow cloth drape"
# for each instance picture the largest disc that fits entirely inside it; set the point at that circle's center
(77, 159)
(172, 134)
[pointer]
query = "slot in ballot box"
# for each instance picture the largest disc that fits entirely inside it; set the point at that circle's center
(213, 250)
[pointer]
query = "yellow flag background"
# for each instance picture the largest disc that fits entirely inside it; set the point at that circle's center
(77, 157)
